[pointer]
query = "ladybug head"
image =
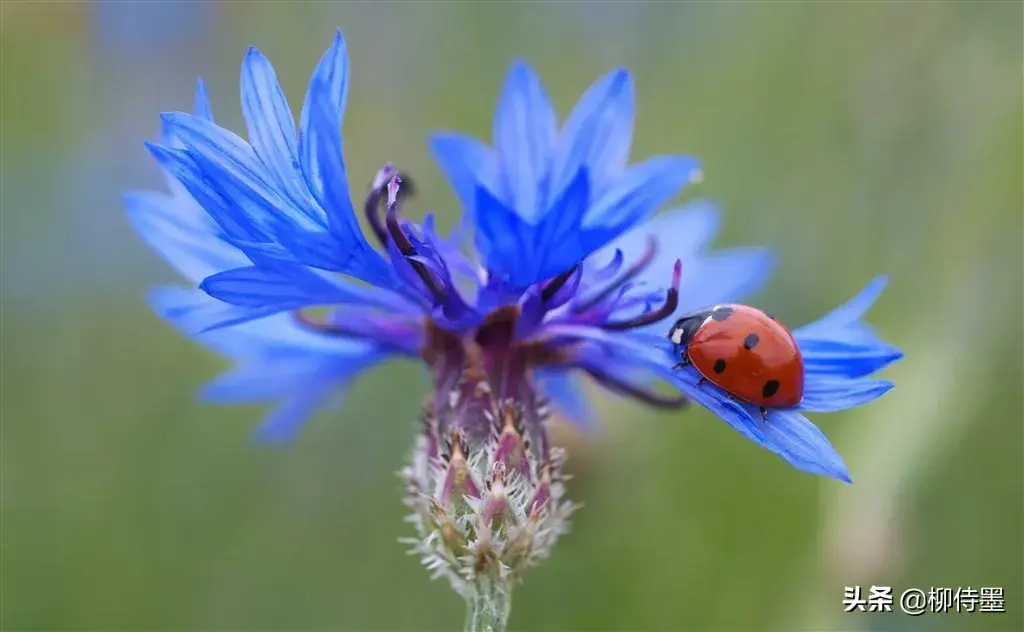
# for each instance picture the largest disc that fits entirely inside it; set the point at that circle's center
(682, 332)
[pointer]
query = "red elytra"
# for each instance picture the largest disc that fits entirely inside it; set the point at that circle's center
(743, 351)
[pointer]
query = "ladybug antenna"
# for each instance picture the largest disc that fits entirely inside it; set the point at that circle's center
(649, 318)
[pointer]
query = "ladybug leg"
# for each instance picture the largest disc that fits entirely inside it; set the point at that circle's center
(703, 380)
(761, 409)
(684, 361)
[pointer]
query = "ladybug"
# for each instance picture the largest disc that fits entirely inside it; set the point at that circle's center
(745, 352)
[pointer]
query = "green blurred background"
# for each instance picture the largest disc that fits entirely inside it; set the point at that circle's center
(857, 138)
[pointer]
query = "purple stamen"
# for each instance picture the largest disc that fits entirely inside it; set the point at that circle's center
(372, 203)
(556, 284)
(666, 310)
(396, 332)
(638, 266)
(631, 390)
(405, 246)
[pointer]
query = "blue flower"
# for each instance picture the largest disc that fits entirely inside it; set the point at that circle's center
(277, 359)
(839, 353)
(543, 199)
(265, 229)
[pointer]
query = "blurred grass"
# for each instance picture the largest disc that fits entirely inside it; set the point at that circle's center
(858, 138)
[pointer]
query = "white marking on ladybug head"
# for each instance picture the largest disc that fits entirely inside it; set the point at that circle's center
(676, 336)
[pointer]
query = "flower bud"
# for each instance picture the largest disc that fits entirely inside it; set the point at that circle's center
(486, 506)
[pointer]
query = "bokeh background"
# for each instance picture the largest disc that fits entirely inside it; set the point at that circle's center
(856, 137)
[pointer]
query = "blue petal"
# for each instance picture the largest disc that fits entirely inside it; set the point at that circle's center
(356, 257)
(201, 108)
(468, 165)
(326, 165)
(840, 345)
(187, 172)
(285, 287)
(272, 127)
(302, 383)
(268, 214)
(825, 395)
(332, 75)
(840, 358)
(230, 166)
(284, 424)
(598, 133)
(724, 276)
(194, 312)
(803, 445)
(565, 391)
(282, 371)
(525, 132)
(502, 238)
(182, 234)
(640, 191)
(201, 105)
(524, 254)
(558, 243)
(272, 337)
(268, 378)
(230, 154)
(201, 102)
(787, 433)
(277, 359)
(290, 287)
(320, 249)
(680, 233)
(841, 318)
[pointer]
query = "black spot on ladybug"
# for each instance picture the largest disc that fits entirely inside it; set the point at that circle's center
(719, 365)
(770, 388)
(750, 341)
(721, 313)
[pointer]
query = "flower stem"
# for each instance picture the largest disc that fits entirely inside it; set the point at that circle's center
(488, 606)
